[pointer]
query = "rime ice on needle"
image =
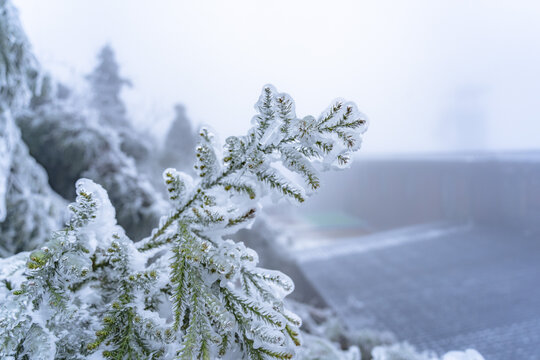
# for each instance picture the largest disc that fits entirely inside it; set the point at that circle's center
(185, 291)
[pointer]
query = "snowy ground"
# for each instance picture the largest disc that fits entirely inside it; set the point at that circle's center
(439, 286)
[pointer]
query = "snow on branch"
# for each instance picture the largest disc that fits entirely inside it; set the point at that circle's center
(186, 291)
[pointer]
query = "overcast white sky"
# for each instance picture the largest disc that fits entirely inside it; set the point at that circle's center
(431, 75)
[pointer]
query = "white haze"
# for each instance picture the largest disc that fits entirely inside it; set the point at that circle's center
(432, 75)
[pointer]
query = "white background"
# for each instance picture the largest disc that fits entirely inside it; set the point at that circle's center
(431, 75)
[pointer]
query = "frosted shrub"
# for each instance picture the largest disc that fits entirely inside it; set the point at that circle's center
(405, 351)
(185, 291)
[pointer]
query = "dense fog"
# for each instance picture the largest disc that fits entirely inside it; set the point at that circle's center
(434, 76)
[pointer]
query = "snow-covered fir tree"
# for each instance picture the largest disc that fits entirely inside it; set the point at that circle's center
(29, 209)
(179, 145)
(67, 141)
(71, 144)
(185, 291)
(106, 86)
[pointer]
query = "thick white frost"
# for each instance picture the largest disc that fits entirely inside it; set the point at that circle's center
(8, 138)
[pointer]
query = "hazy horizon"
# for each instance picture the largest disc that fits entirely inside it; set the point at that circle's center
(431, 76)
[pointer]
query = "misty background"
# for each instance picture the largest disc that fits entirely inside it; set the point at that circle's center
(432, 238)
(431, 75)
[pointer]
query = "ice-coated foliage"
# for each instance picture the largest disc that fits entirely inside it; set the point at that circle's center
(85, 281)
(247, 301)
(71, 145)
(29, 209)
(18, 69)
(404, 351)
(327, 330)
(184, 292)
(179, 147)
(317, 347)
(7, 143)
(106, 85)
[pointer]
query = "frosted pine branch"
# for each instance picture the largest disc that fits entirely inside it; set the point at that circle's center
(185, 291)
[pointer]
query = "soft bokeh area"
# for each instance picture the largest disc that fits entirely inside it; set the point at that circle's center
(432, 75)
(177, 245)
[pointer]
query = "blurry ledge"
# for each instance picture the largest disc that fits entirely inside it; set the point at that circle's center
(441, 250)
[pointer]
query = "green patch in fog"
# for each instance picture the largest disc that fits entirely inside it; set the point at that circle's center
(335, 219)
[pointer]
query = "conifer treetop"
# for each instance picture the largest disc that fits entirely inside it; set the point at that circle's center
(180, 141)
(106, 86)
(106, 79)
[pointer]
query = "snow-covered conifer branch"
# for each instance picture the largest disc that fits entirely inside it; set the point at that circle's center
(186, 291)
(303, 146)
(226, 197)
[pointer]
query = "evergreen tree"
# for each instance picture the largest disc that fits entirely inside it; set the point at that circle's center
(180, 142)
(29, 209)
(71, 144)
(106, 85)
(65, 139)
